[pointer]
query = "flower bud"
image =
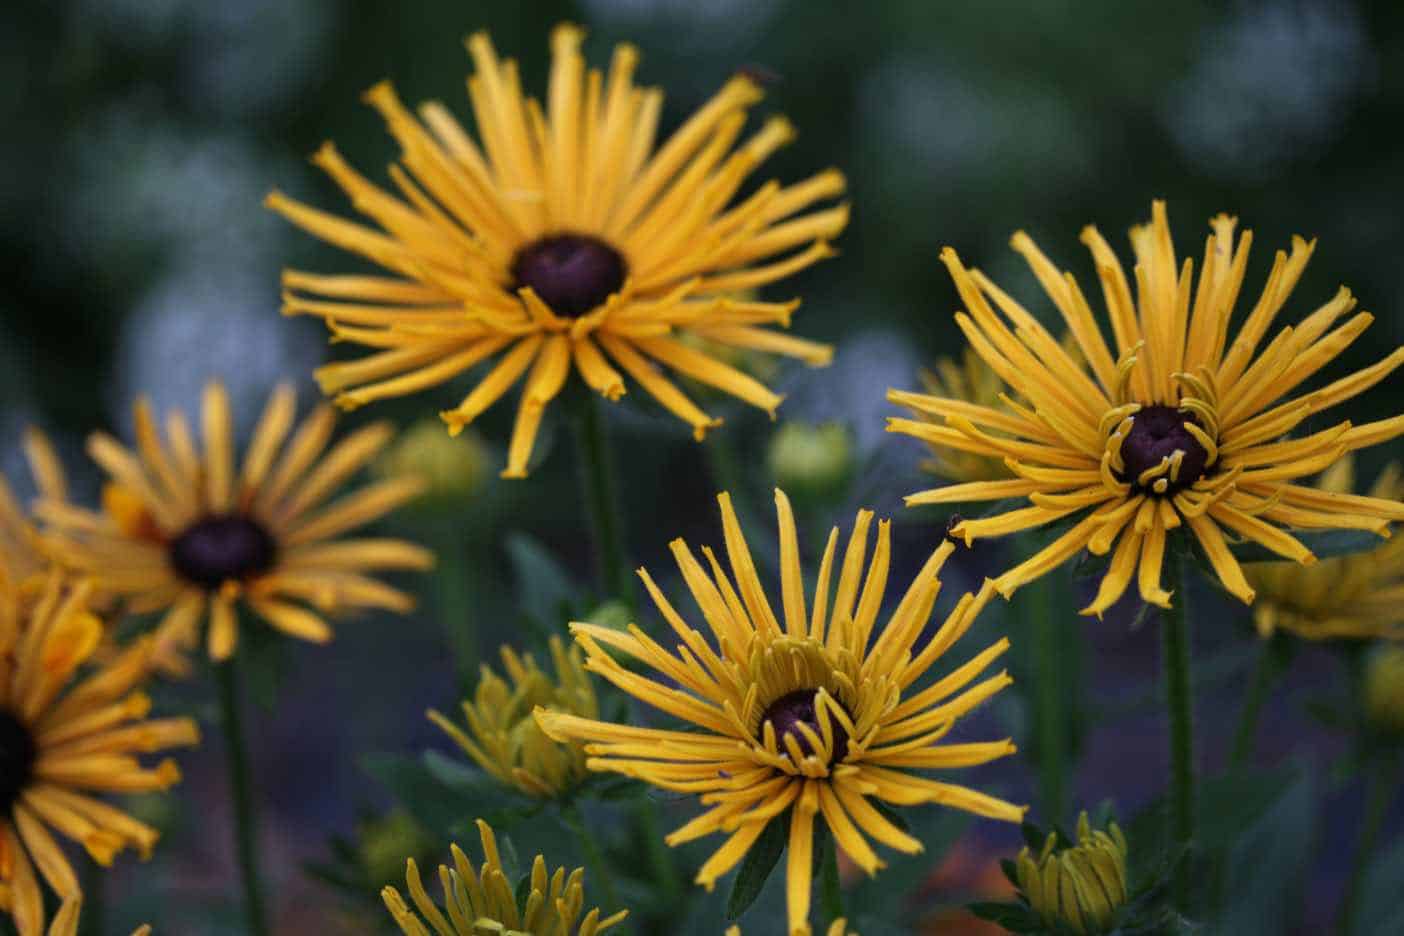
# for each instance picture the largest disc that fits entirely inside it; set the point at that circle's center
(1079, 887)
(811, 461)
(452, 467)
(1384, 690)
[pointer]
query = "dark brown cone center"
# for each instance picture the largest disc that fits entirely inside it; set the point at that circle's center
(17, 754)
(792, 708)
(218, 549)
(572, 273)
(1157, 432)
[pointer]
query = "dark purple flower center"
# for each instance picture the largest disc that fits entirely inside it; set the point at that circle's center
(218, 549)
(786, 713)
(17, 753)
(1157, 432)
(571, 273)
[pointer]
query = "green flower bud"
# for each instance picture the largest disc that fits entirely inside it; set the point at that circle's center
(811, 461)
(386, 840)
(1384, 690)
(1079, 887)
(453, 468)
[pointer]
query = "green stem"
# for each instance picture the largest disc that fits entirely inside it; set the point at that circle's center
(1378, 791)
(1175, 661)
(241, 793)
(1052, 720)
(601, 491)
(455, 594)
(830, 888)
(1266, 669)
(594, 858)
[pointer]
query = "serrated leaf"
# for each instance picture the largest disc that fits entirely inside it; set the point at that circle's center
(755, 869)
(1323, 543)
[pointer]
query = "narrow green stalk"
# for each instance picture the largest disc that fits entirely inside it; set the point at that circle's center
(92, 922)
(660, 856)
(830, 888)
(1179, 703)
(455, 600)
(1052, 720)
(1266, 668)
(601, 492)
(1379, 787)
(241, 794)
(594, 858)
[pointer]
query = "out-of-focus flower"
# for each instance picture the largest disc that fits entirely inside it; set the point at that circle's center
(975, 382)
(506, 740)
(1080, 887)
(1358, 596)
(181, 532)
(1182, 427)
(1384, 689)
(796, 713)
(811, 461)
(64, 739)
(452, 468)
(484, 901)
(567, 243)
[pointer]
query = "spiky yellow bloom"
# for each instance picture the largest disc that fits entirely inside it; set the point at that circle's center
(64, 739)
(1081, 887)
(1359, 596)
(802, 712)
(181, 531)
(506, 740)
(483, 901)
(973, 381)
(1182, 427)
(567, 243)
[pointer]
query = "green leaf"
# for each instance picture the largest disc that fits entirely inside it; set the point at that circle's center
(1323, 543)
(440, 793)
(1014, 917)
(612, 614)
(1268, 864)
(545, 591)
(523, 890)
(755, 870)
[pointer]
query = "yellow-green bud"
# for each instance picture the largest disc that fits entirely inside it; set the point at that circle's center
(385, 842)
(809, 460)
(1384, 689)
(452, 467)
(1080, 887)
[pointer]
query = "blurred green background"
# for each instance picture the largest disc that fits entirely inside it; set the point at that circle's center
(139, 137)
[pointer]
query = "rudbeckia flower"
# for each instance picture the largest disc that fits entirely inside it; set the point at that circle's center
(181, 532)
(65, 739)
(563, 241)
(1187, 424)
(811, 712)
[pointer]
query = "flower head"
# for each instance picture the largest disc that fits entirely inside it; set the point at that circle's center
(483, 901)
(1355, 596)
(1181, 427)
(64, 740)
(1080, 887)
(564, 242)
(181, 532)
(972, 380)
(506, 740)
(811, 711)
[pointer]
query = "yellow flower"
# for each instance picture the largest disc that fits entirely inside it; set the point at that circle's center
(507, 742)
(802, 712)
(567, 242)
(1384, 689)
(180, 531)
(973, 381)
(1181, 428)
(1081, 887)
(1359, 596)
(64, 739)
(482, 901)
